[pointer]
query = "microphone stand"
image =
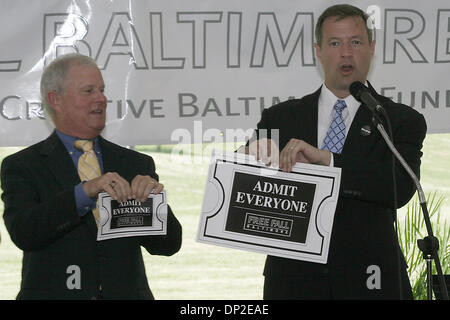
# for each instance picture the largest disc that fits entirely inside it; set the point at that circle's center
(430, 244)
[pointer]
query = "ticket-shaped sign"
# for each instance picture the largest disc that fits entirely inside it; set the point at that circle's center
(252, 207)
(132, 218)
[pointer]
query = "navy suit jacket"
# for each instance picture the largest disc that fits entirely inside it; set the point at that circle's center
(41, 218)
(363, 232)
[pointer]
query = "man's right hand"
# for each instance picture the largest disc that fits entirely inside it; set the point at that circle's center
(116, 186)
(119, 188)
(264, 150)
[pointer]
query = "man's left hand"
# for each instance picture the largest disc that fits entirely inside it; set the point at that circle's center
(300, 151)
(142, 186)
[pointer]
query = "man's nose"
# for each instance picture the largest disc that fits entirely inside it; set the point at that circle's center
(346, 50)
(100, 97)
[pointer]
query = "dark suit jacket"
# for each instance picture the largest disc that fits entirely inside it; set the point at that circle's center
(40, 215)
(363, 234)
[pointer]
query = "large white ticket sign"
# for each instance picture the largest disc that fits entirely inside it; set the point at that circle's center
(132, 218)
(252, 207)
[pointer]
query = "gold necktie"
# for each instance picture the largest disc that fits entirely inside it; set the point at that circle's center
(88, 166)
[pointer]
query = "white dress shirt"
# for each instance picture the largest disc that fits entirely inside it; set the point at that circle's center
(327, 99)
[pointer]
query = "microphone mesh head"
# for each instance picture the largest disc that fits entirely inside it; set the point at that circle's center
(356, 88)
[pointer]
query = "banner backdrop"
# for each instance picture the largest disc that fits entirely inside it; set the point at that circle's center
(185, 71)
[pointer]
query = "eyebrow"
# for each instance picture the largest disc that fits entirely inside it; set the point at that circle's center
(340, 38)
(91, 85)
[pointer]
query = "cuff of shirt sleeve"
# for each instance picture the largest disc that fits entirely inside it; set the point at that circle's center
(83, 202)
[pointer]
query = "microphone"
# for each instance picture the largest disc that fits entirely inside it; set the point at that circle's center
(362, 94)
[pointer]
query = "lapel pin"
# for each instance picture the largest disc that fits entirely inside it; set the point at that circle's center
(366, 130)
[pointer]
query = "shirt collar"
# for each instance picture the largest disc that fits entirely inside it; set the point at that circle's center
(69, 141)
(327, 100)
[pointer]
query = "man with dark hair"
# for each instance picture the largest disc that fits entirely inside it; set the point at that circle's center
(50, 191)
(341, 12)
(325, 127)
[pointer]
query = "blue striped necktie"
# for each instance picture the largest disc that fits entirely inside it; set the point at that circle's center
(335, 138)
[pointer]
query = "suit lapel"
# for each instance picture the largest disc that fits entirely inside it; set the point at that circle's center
(305, 115)
(309, 122)
(57, 160)
(362, 133)
(111, 156)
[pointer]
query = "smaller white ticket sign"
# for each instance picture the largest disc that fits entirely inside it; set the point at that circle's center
(132, 218)
(250, 206)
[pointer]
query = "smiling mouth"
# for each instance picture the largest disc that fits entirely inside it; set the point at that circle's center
(97, 111)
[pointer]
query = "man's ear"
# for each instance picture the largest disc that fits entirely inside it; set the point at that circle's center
(372, 48)
(317, 47)
(53, 99)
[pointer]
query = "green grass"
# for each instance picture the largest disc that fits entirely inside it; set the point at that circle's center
(201, 271)
(435, 169)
